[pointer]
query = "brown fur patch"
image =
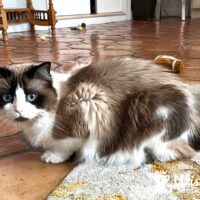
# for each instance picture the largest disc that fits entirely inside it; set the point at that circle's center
(69, 122)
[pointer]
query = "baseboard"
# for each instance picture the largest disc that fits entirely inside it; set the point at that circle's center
(195, 13)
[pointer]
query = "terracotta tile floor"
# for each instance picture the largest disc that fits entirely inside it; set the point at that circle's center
(22, 174)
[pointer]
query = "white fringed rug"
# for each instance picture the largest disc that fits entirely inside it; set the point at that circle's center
(158, 181)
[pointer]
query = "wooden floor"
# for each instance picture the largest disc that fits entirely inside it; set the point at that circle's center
(22, 175)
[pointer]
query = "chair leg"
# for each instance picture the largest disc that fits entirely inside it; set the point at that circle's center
(183, 10)
(4, 22)
(52, 17)
(5, 35)
(157, 12)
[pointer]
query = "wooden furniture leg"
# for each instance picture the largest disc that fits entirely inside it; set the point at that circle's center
(28, 14)
(52, 17)
(30, 6)
(4, 22)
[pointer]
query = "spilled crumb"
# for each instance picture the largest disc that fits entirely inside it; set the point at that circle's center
(136, 168)
(187, 195)
(187, 185)
(164, 167)
(67, 190)
(118, 197)
(109, 197)
(82, 197)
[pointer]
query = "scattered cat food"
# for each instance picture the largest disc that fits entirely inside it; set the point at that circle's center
(43, 37)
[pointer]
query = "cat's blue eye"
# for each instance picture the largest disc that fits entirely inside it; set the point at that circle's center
(7, 98)
(31, 97)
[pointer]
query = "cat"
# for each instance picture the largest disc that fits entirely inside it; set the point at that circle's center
(111, 112)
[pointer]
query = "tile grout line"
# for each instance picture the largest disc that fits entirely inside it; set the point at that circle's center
(14, 153)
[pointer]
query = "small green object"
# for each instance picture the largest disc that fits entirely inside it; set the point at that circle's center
(83, 25)
(74, 28)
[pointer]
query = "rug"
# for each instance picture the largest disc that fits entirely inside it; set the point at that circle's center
(178, 180)
(158, 181)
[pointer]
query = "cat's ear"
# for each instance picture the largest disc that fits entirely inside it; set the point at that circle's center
(41, 71)
(5, 73)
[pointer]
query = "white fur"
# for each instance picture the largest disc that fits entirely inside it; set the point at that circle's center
(163, 111)
(196, 158)
(51, 157)
(184, 136)
(89, 151)
(60, 150)
(136, 157)
(39, 133)
(160, 148)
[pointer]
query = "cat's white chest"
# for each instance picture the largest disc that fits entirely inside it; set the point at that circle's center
(40, 133)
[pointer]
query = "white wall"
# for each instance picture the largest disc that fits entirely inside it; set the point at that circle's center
(41, 4)
(123, 6)
(14, 4)
(73, 7)
(104, 6)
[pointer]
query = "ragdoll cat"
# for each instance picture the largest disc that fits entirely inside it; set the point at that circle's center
(110, 111)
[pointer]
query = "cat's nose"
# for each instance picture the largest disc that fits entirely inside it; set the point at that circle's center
(17, 110)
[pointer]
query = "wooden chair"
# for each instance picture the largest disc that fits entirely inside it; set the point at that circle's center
(29, 14)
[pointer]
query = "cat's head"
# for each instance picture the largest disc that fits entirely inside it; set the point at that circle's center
(26, 92)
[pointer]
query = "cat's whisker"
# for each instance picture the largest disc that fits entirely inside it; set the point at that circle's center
(5, 119)
(57, 126)
(3, 123)
(56, 115)
(3, 116)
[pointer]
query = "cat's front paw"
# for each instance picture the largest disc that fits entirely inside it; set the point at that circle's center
(50, 157)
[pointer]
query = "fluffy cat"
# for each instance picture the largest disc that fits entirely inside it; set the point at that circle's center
(110, 111)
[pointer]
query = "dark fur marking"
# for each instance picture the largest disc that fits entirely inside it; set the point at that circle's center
(194, 139)
(33, 79)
